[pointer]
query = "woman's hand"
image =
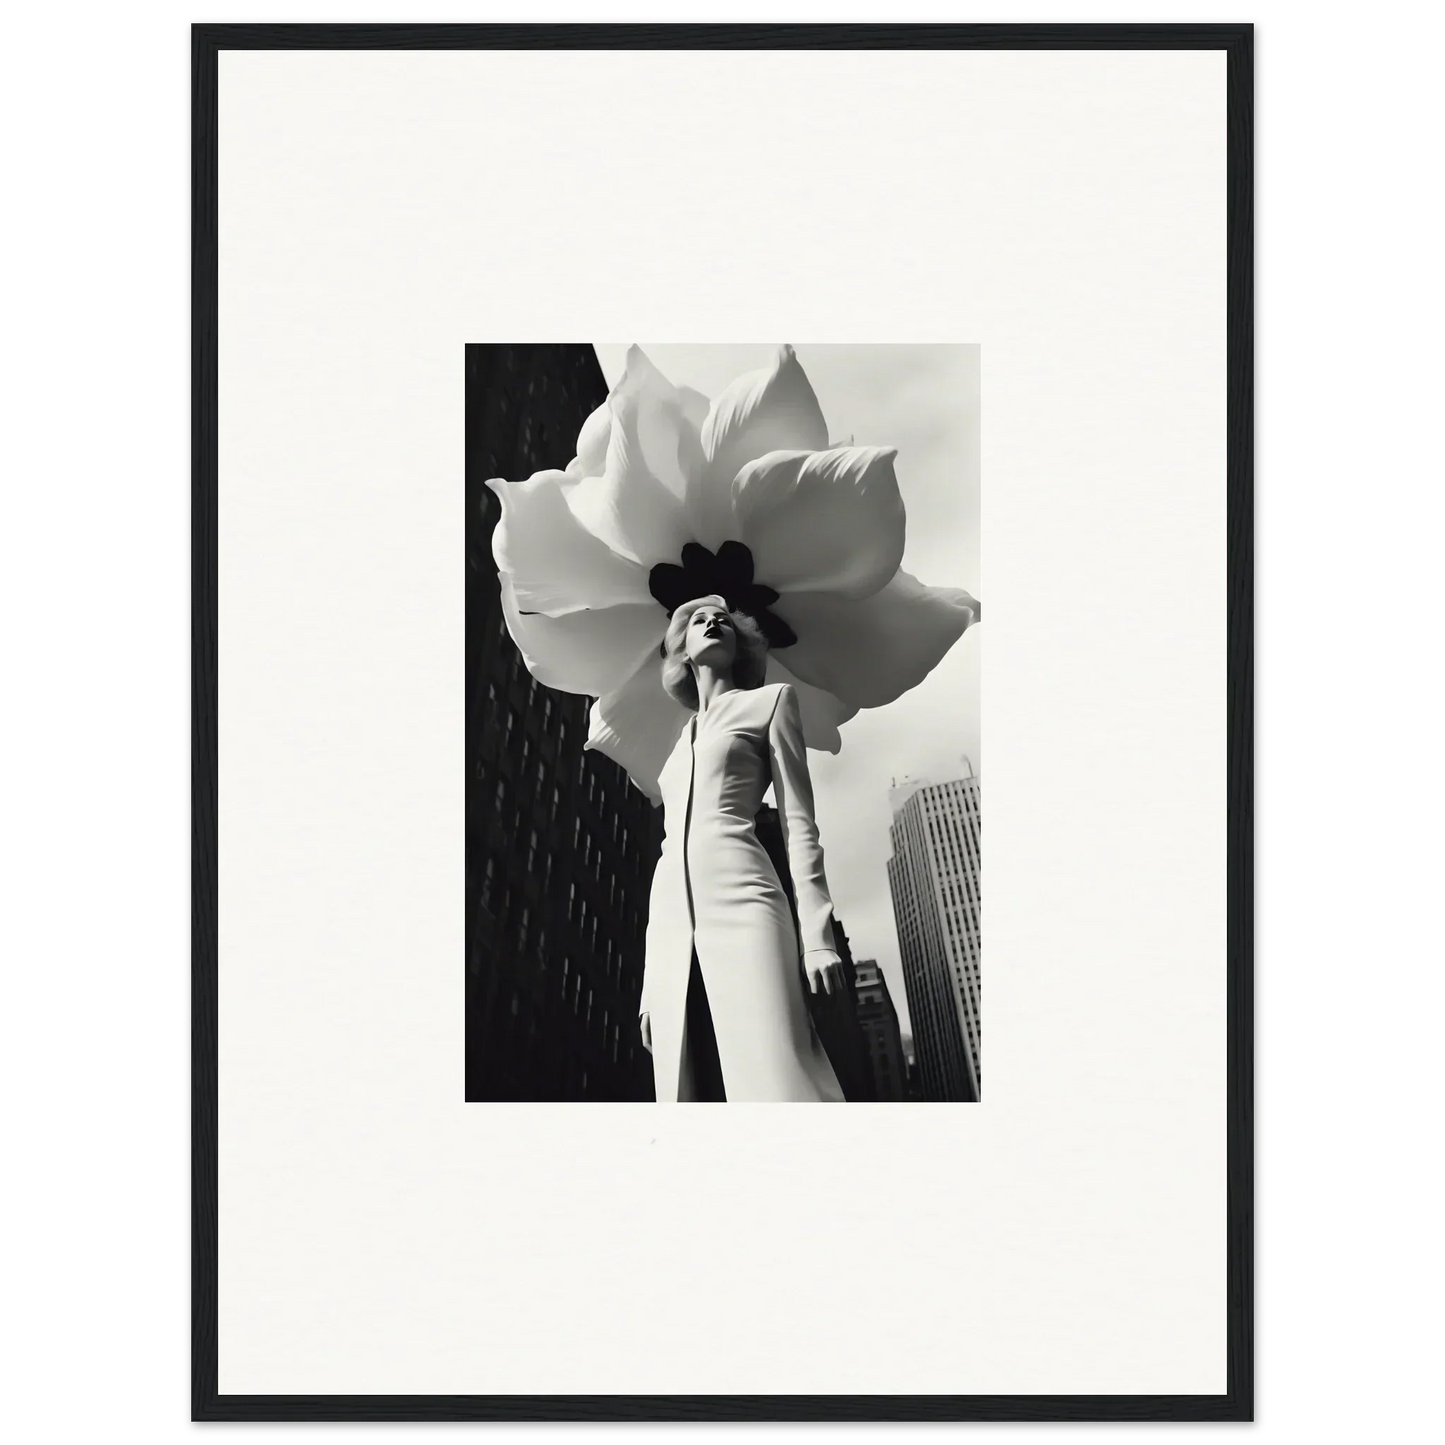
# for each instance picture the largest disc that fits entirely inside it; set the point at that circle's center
(644, 1023)
(825, 970)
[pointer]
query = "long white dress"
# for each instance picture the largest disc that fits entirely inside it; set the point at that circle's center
(716, 893)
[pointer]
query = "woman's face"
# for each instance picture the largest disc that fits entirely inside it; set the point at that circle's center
(711, 638)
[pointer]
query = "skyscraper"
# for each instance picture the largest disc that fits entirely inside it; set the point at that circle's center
(933, 876)
(878, 1019)
(560, 846)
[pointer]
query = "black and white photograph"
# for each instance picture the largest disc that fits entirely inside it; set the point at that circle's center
(723, 730)
(605, 437)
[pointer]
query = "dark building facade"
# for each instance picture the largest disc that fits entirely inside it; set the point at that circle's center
(878, 1019)
(914, 1090)
(835, 1017)
(560, 846)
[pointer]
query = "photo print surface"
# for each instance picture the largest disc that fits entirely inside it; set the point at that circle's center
(723, 734)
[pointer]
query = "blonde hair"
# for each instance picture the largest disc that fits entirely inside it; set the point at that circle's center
(750, 665)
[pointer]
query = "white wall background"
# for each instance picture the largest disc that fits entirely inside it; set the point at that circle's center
(1080, 242)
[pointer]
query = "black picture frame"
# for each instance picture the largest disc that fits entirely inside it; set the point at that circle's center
(1237, 1401)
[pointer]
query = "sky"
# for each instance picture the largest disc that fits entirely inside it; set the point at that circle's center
(923, 400)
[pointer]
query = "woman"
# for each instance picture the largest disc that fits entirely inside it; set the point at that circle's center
(723, 1011)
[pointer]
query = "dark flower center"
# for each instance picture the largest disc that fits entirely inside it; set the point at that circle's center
(728, 575)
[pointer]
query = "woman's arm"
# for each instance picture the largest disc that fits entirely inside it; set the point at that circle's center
(644, 1009)
(793, 789)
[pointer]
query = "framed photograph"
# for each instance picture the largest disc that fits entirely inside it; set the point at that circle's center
(587, 873)
(605, 438)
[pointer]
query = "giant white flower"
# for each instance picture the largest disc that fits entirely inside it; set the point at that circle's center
(670, 498)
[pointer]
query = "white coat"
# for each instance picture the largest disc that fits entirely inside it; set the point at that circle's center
(715, 891)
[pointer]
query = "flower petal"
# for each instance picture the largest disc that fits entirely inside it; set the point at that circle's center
(554, 564)
(584, 652)
(763, 411)
(653, 454)
(665, 421)
(637, 725)
(592, 444)
(826, 521)
(821, 712)
(869, 652)
(695, 407)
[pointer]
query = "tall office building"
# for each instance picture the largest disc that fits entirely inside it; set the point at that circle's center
(878, 1019)
(915, 1081)
(933, 876)
(560, 846)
